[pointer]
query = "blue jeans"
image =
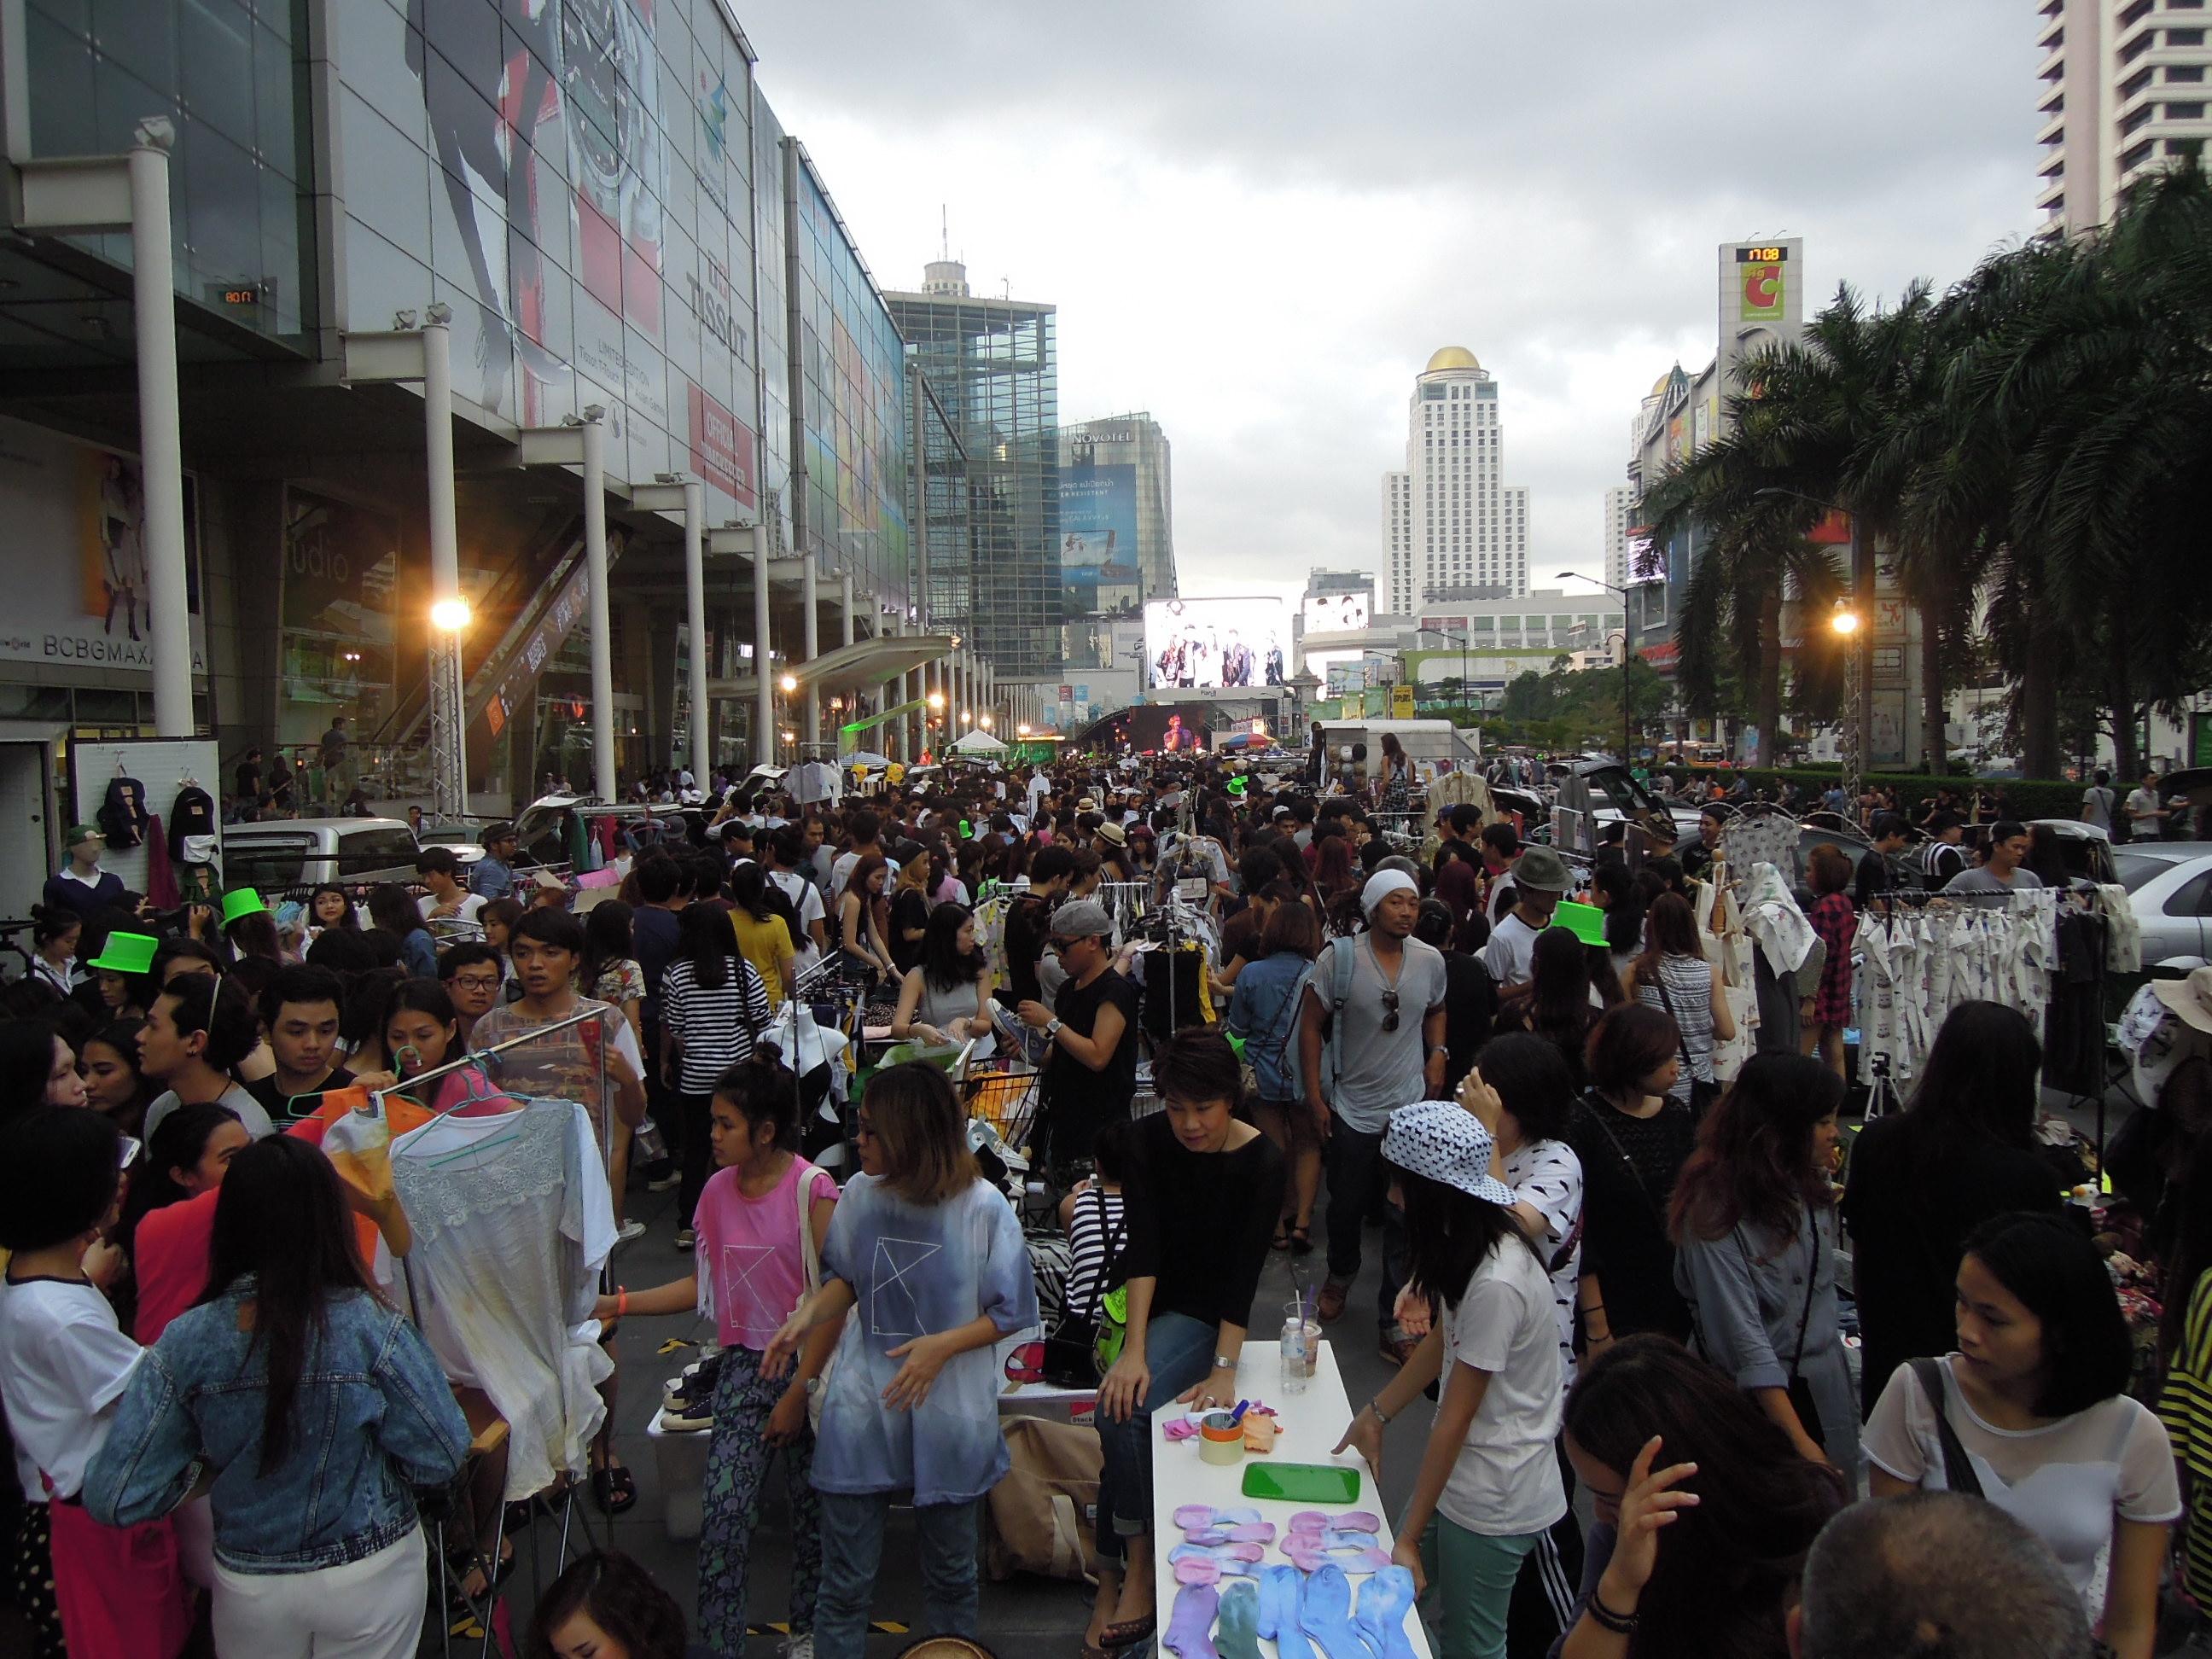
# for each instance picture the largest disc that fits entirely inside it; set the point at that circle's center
(1179, 1353)
(950, 1540)
(1353, 1160)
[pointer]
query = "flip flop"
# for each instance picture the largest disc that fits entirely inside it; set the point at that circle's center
(1351, 1521)
(1218, 1553)
(1192, 1517)
(1249, 1532)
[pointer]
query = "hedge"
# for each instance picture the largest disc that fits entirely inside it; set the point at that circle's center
(2028, 798)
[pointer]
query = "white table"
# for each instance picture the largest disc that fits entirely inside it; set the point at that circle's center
(1310, 1425)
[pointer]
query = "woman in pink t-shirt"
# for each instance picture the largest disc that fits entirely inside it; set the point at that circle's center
(753, 1268)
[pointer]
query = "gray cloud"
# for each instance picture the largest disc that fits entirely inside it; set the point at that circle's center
(1259, 220)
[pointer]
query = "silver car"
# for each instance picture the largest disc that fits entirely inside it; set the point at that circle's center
(2169, 883)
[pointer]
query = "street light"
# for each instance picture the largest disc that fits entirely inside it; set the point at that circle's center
(450, 616)
(788, 684)
(984, 720)
(1023, 730)
(1627, 662)
(937, 702)
(1845, 622)
(1438, 632)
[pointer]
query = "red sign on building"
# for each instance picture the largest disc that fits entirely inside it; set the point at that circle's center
(721, 448)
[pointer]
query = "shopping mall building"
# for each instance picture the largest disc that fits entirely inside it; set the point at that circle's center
(599, 198)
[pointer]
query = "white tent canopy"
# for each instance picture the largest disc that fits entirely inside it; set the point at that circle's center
(980, 742)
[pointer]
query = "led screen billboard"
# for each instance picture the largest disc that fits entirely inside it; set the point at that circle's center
(1214, 645)
(1336, 613)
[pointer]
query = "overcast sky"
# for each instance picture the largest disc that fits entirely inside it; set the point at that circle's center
(1259, 220)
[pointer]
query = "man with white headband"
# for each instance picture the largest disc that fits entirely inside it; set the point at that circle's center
(1373, 1020)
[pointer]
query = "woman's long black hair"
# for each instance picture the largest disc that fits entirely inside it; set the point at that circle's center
(607, 937)
(942, 964)
(705, 938)
(1980, 1079)
(1727, 1566)
(1448, 1233)
(282, 1221)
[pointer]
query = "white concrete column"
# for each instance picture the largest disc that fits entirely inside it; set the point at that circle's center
(449, 700)
(694, 605)
(810, 601)
(847, 580)
(763, 665)
(161, 434)
(597, 617)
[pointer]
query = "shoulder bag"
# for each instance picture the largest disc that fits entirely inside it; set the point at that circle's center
(1958, 1475)
(1071, 1352)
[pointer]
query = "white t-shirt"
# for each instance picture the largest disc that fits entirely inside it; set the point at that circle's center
(1511, 952)
(63, 1363)
(1506, 1481)
(841, 872)
(466, 911)
(2097, 806)
(249, 1111)
(2064, 1482)
(806, 898)
(1546, 1176)
(2141, 803)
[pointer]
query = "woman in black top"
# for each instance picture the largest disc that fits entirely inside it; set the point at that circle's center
(1470, 994)
(1920, 1181)
(1557, 1007)
(1199, 1196)
(1632, 1139)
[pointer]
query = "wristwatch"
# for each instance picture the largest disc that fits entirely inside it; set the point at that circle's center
(1051, 1030)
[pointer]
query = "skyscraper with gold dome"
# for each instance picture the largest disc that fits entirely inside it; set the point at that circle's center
(1452, 528)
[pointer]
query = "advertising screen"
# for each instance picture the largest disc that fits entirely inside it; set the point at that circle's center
(1097, 534)
(1336, 613)
(1214, 645)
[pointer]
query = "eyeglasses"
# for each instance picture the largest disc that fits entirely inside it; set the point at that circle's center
(1389, 1011)
(476, 981)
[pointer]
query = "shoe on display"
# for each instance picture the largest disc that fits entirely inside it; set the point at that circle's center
(689, 1419)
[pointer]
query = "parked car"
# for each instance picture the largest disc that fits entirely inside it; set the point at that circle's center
(285, 853)
(2169, 884)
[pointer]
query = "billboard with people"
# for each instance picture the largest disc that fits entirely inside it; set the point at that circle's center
(1214, 644)
(1336, 613)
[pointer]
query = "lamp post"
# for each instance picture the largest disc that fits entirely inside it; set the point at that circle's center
(1439, 634)
(1845, 623)
(1861, 610)
(1628, 667)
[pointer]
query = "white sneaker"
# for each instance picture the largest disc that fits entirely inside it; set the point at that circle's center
(685, 1239)
(631, 1229)
(799, 1647)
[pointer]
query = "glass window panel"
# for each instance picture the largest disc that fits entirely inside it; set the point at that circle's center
(279, 101)
(215, 42)
(60, 72)
(139, 34)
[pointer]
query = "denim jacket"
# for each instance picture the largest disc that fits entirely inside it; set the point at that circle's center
(374, 1416)
(1263, 1011)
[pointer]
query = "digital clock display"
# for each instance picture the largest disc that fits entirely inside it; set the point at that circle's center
(1761, 256)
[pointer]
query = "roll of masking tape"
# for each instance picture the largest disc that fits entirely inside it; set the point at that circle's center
(1220, 1438)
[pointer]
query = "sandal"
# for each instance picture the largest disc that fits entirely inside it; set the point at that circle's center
(1301, 1241)
(1281, 1241)
(614, 1489)
(1127, 1634)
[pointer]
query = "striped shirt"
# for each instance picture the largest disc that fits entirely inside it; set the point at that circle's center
(716, 1028)
(1689, 989)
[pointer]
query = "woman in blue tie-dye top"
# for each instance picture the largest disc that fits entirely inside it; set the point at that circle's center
(927, 1260)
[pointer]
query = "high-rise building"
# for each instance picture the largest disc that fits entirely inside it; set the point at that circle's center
(1466, 531)
(1620, 504)
(2125, 92)
(993, 364)
(1116, 513)
(1398, 540)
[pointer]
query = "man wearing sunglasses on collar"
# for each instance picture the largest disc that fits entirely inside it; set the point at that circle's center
(1384, 990)
(1090, 1070)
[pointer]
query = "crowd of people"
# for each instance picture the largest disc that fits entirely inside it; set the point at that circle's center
(1614, 1269)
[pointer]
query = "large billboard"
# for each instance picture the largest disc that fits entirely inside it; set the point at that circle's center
(79, 591)
(575, 178)
(1214, 645)
(1336, 613)
(1097, 537)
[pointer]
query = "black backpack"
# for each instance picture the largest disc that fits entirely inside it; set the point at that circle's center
(122, 816)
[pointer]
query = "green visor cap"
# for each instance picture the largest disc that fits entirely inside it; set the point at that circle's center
(242, 902)
(127, 953)
(1585, 921)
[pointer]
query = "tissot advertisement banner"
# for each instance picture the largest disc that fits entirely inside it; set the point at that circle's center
(78, 578)
(1097, 533)
(1214, 644)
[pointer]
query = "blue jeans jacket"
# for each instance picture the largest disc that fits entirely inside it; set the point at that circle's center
(374, 1416)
